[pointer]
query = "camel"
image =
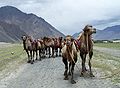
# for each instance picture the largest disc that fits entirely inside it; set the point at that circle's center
(85, 45)
(69, 55)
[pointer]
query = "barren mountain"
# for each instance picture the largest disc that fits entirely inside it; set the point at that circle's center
(26, 23)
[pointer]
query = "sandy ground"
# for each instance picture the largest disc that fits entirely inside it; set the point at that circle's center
(48, 73)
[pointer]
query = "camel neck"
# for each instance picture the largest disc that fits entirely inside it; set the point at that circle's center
(87, 42)
(24, 45)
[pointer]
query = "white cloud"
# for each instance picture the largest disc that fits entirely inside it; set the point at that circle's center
(70, 16)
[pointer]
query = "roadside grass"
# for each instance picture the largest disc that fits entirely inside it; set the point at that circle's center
(108, 45)
(110, 65)
(11, 58)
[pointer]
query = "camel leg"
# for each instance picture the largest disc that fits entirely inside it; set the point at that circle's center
(83, 57)
(56, 50)
(28, 56)
(40, 54)
(31, 57)
(66, 68)
(60, 52)
(44, 52)
(49, 52)
(36, 54)
(72, 71)
(69, 73)
(53, 52)
(89, 63)
(85, 61)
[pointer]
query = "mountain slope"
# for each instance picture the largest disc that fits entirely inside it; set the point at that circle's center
(29, 23)
(10, 32)
(108, 33)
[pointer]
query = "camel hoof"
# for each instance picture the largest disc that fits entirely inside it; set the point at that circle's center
(53, 56)
(65, 73)
(31, 62)
(81, 75)
(91, 75)
(66, 78)
(28, 61)
(69, 73)
(73, 81)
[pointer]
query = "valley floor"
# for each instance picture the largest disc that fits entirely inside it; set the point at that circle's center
(48, 73)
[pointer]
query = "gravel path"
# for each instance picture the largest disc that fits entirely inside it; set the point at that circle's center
(48, 73)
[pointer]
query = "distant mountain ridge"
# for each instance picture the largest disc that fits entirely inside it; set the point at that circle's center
(29, 24)
(109, 33)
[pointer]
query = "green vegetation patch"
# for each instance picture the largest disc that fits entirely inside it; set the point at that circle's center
(11, 58)
(108, 45)
(110, 65)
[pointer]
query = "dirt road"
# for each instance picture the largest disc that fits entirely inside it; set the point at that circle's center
(48, 73)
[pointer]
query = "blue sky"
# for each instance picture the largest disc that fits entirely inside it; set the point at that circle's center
(70, 16)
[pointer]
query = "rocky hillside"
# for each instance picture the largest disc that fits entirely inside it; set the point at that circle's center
(23, 23)
(108, 33)
(10, 32)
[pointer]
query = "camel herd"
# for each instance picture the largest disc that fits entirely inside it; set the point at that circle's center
(43, 47)
(66, 47)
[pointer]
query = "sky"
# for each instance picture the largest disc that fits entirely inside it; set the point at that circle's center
(70, 16)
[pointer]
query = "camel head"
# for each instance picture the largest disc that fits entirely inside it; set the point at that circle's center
(69, 40)
(89, 30)
(24, 37)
